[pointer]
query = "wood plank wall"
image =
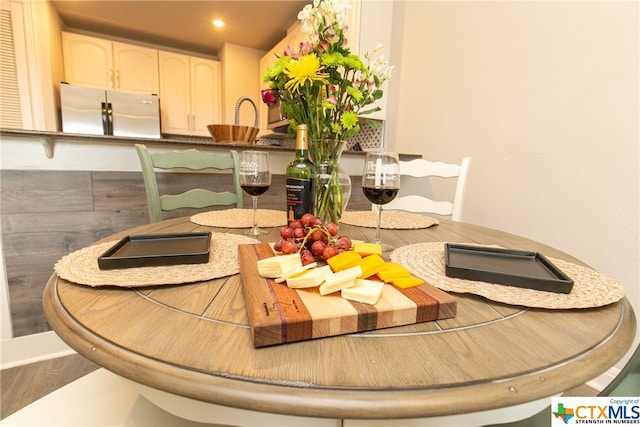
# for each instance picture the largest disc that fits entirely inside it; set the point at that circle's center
(47, 214)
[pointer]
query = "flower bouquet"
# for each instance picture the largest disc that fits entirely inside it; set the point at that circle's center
(325, 86)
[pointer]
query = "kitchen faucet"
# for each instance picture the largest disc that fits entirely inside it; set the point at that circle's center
(255, 109)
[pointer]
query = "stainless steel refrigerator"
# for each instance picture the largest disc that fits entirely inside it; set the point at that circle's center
(107, 112)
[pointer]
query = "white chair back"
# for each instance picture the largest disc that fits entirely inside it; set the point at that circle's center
(421, 168)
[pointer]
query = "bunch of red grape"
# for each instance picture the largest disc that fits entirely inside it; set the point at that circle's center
(311, 237)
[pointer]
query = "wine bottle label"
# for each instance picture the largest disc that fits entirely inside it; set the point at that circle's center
(299, 197)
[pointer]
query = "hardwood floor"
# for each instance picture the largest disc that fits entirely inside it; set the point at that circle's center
(22, 385)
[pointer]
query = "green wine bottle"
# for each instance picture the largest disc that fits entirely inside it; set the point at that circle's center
(300, 178)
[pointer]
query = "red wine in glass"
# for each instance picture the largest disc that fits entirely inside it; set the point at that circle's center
(380, 195)
(256, 189)
(380, 183)
(255, 180)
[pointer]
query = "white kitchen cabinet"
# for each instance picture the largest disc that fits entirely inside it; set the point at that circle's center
(88, 61)
(104, 64)
(136, 68)
(189, 93)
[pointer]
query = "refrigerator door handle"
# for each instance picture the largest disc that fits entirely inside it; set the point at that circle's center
(105, 119)
(109, 119)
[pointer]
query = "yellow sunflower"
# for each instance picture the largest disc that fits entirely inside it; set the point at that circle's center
(305, 69)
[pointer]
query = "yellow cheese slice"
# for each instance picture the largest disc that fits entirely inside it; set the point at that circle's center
(393, 270)
(370, 265)
(407, 282)
(365, 249)
(344, 260)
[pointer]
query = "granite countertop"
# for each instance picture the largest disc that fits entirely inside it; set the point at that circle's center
(272, 144)
(166, 139)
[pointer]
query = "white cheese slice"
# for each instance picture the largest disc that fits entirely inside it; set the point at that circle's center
(277, 266)
(365, 291)
(295, 272)
(340, 280)
(309, 279)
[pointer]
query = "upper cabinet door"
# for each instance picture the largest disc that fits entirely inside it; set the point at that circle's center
(136, 68)
(88, 61)
(189, 93)
(175, 93)
(103, 64)
(205, 94)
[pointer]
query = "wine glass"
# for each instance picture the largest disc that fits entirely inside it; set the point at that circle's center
(255, 179)
(381, 183)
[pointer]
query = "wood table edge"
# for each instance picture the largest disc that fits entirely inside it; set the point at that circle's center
(334, 402)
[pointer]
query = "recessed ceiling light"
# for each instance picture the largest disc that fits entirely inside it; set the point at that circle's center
(218, 23)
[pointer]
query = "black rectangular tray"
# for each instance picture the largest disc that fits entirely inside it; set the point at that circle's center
(157, 249)
(524, 269)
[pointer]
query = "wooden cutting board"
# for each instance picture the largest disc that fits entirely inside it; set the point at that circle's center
(278, 314)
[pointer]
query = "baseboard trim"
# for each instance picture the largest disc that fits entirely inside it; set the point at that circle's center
(599, 383)
(32, 348)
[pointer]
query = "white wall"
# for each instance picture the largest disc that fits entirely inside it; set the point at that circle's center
(544, 97)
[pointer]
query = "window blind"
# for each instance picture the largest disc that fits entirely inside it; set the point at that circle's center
(10, 111)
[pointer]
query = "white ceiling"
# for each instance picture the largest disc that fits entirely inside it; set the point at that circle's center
(184, 25)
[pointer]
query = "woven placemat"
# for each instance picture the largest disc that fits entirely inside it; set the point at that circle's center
(590, 288)
(81, 266)
(240, 218)
(396, 220)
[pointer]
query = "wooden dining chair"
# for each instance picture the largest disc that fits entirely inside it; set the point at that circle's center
(421, 168)
(194, 198)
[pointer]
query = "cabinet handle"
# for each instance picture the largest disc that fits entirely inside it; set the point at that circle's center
(117, 79)
(111, 77)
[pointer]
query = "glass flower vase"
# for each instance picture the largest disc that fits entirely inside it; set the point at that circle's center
(333, 183)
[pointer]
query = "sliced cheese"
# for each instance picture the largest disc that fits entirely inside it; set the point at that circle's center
(407, 282)
(393, 270)
(294, 272)
(310, 278)
(344, 260)
(365, 249)
(371, 265)
(340, 280)
(278, 266)
(365, 291)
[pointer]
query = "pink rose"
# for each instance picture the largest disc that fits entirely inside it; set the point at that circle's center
(269, 97)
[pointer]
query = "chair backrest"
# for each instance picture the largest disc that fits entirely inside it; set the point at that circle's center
(421, 168)
(194, 198)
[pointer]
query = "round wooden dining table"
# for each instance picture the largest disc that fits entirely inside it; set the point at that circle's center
(194, 341)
